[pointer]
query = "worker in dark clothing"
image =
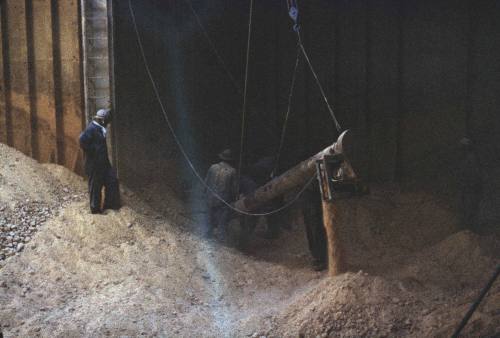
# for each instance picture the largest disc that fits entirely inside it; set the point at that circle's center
(222, 179)
(262, 172)
(315, 230)
(471, 185)
(97, 165)
(249, 223)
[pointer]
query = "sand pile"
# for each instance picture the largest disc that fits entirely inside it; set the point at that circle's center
(136, 271)
(30, 194)
(144, 272)
(463, 260)
(23, 178)
(421, 274)
(427, 298)
(94, 275)
(351, 305)
(384, 228)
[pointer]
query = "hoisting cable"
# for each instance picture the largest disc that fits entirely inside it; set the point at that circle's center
(212, 46)
(285, 123)
(179, 144)
(223, 64)
(293, 12)
(245, 89)
(218, 55)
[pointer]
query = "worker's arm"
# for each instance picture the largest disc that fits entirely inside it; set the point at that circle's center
(86, 140)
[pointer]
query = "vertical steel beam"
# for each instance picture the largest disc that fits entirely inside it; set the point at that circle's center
(43, 81)
(56, 56)
(84, 29)
(32, 93)
(4, 83)
(70, 86)
(111, 54)
(19, 83)
(97, 59)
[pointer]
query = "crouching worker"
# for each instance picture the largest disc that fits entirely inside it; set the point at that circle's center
(97, 165)
(222, 180)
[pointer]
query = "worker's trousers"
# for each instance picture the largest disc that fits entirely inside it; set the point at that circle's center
(99, 179)
(219, 217)
(315, 231)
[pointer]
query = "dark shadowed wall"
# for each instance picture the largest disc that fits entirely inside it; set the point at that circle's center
(413, 76)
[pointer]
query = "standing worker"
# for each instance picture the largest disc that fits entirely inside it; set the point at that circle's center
(248, 223)
(222, 179)
(262, 172)
(97, 165)
(315, 230)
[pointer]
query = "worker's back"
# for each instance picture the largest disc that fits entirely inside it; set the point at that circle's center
(221, 178)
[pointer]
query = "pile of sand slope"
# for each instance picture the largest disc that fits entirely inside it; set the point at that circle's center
(137, 272)
(427, 298)
(422, 274)
(133, 272)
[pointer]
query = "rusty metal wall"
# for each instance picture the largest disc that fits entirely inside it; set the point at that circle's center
(41, 87)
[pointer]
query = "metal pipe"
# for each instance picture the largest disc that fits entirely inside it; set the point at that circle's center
(294, 177)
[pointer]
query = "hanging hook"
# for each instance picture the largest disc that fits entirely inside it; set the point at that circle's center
(293, 12)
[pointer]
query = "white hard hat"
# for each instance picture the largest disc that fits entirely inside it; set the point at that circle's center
(102, 113)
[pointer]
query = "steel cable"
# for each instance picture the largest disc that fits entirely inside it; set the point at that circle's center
(245, 90)
(179, 144)
(212, 46)
(293, 12)
(285, 123)
(330, 110)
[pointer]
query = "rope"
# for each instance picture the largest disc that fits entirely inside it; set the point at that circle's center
(212, 46)
(330, 110)
(290, 95)
(293, 12)
(179, 144)
(224, 65)
(243, 113)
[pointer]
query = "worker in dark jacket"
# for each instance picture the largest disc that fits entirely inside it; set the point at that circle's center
(222, 180)
(315, 230)
(248, 222)
(262, 172)
(97, 165)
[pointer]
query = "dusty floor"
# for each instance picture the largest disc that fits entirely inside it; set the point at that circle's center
(141, 272)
